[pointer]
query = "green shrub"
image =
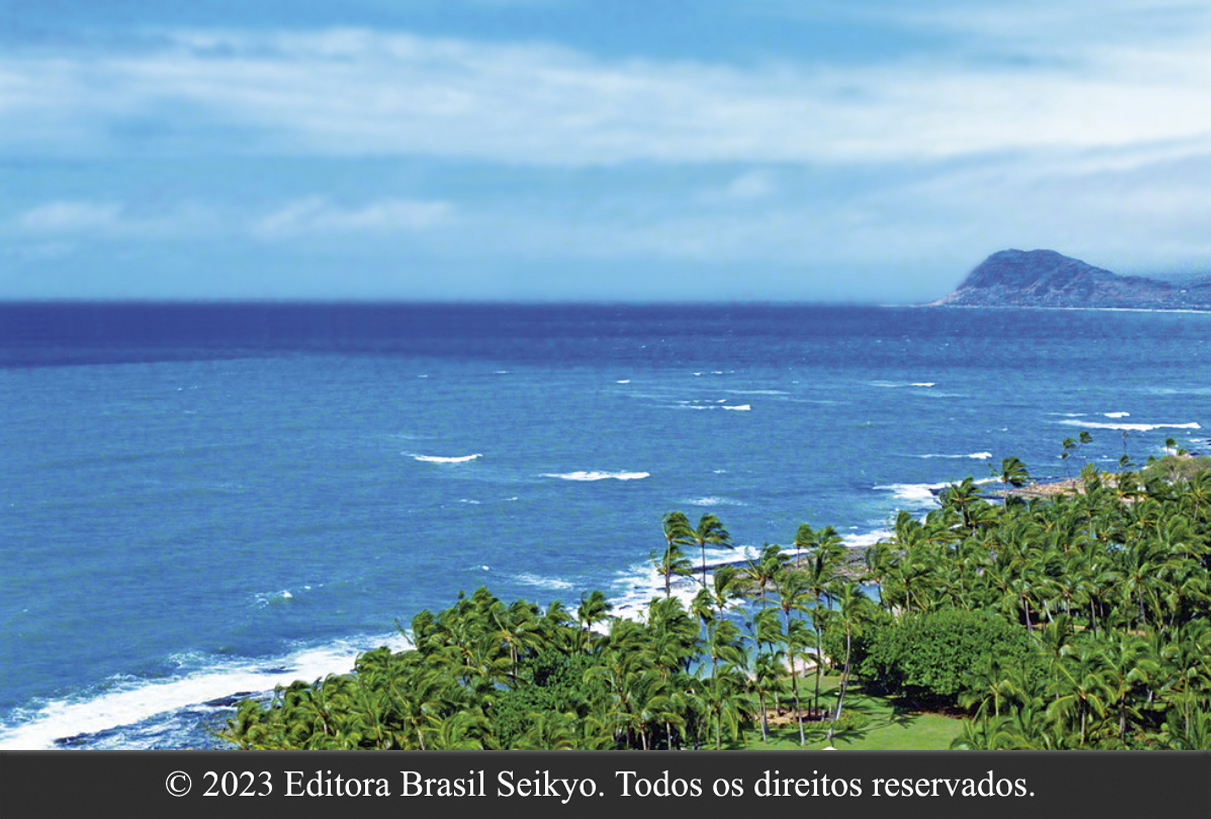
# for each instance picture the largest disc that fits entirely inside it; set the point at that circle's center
(936, 657)
(851, 721)
(556, 686)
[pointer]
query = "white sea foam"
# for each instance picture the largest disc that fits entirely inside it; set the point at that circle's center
(623, 381)
(979, 456)
(738, 407)
(635, 586)
(919, 493)
(867, 539)
(442, 459)
(127, 700)
(531, 579)
(1116, 414)
(269, 598)
(925, 384)
(597, 476)
(1131, 427)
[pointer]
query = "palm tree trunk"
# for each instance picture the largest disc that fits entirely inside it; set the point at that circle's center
(798, 708)
(844, 679)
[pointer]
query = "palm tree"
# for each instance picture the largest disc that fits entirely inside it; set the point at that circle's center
(765, 568)
(793, 596)
(854, 605)
(767, 668)
(1129, 666)
(724, 704)
(593, 609)
(677, 533)
(1069, 446)
(1013, 473)
(824, 557)
(710, 531)
(963, 497)
(1081, 687)
(804, 537)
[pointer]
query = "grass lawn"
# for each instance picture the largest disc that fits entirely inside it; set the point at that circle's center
(887, 727)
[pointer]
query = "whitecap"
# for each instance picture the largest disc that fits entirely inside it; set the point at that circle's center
(440, 459)
(268, 598)
(921, 493)
(1116, 414)
(924, 384)
(978, 456)
(541, 582)
(1131, 427)
(623, 381)
(739, 407)
(713, 501)
(597, 476)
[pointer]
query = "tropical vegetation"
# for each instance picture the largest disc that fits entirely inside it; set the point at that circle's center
(1074, 620)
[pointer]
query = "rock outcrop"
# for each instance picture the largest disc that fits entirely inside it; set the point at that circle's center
(1044, 278)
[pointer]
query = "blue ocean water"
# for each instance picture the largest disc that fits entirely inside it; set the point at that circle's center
(203, 500)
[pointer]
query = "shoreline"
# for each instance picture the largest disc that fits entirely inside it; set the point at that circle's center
(1196, 310)
(203, 714)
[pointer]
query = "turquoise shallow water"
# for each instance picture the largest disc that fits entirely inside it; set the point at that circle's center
(205, 500)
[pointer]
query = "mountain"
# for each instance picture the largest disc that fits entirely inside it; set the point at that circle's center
(1044, 278)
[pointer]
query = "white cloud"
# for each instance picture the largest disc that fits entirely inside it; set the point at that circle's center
(748, 187)
(114, 220)
(359, 92)
(72, 217)
(314, 214)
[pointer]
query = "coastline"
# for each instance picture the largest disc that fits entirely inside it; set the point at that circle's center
(948, 305)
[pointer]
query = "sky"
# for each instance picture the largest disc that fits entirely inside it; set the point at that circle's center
(868, 151)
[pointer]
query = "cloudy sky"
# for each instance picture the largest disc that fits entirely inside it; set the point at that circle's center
(866, 150)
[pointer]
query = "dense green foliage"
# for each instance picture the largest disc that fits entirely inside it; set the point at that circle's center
(939, 656)
(1112, 585)
(1076, 621)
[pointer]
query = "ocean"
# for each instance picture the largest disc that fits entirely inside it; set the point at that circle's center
(199, 501)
